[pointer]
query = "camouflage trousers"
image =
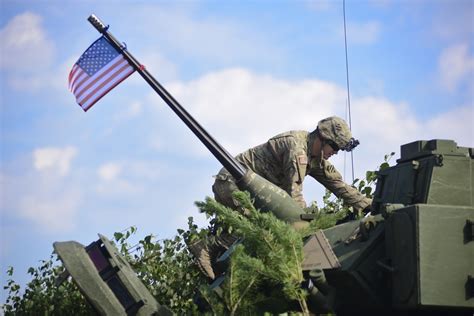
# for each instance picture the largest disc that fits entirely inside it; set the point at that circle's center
(207, 251)
(223, 188)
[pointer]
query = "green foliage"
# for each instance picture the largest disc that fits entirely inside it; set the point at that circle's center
(334, 209)
(42, 296)
(366, 185)
(166, 267)
(269, 257)
(331, 204)
(264, 271)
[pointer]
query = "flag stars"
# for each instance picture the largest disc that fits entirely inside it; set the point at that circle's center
(96, 56)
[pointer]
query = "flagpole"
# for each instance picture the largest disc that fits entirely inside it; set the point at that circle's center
(228, 161)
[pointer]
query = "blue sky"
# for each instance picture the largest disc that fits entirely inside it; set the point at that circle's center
(246, 70)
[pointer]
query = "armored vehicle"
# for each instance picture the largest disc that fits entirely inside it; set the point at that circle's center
(106, 279)
(420, 254)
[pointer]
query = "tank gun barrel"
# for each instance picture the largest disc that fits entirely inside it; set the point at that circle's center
(227, 160)
(267, 196)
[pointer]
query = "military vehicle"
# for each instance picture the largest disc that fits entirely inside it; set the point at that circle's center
(419, 256)
(106, 279)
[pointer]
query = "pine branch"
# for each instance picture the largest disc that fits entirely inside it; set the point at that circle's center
(271, 252)
(249, 286)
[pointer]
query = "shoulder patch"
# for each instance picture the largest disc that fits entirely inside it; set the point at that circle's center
(331, 172)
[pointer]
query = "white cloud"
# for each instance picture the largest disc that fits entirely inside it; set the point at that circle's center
(156, 63)
(42, 191)
(456, 65)
(24, 39)
(363, 33)
(381, 119)
(242, 109)
(127, 178)
(53, 208)
(383, 126)
(131, 111)
(111, 181)
(109, 171)
(117, 189)
(47, 80)
(54, 159)
(455, 124)
(25, 44)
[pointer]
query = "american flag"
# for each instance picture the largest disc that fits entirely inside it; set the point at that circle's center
(100, 69)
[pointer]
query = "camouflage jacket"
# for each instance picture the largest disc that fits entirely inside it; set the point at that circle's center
(286, 160)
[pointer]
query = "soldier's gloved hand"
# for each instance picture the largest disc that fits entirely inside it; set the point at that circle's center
(368, 209)
(366, 225)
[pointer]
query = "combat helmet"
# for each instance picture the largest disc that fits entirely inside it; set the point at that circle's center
(335, 129)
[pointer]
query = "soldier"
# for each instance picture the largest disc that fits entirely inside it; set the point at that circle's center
(285, 160)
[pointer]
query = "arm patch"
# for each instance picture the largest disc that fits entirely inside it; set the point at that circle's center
(330, 171)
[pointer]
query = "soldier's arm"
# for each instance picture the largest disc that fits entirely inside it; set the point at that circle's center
(328, 176)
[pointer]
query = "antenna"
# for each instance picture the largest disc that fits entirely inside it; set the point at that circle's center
(347, 81)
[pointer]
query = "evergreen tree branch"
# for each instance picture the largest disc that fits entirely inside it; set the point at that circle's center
(244, 293)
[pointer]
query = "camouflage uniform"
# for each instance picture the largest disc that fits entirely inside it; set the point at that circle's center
(285, 160)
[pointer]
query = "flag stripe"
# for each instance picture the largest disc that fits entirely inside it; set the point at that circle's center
(106, 87)
(72, 74)
(81, 76)
(77, 73)
(85, 84)
(104, 91)
(98, 85)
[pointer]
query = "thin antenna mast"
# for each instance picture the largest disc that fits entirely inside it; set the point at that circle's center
(347, 81)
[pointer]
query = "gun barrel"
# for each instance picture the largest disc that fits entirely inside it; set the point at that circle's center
(227, 160)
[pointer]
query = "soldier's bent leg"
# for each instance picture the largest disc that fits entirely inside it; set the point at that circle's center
(223, 189)
(202, 253)
(206, 251)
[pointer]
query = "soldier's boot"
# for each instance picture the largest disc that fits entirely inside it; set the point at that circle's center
(226, 245)
(225, 240)
(207, 251)
(201, 251)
